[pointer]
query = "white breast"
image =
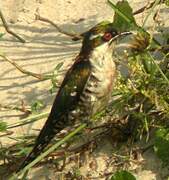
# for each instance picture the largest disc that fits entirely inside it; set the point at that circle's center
(103, 70)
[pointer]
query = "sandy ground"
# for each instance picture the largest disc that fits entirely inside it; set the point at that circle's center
(43, 50)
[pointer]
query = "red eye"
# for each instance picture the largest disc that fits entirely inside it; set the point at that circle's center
(107, 36)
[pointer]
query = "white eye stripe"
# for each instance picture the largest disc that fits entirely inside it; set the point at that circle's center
(95, 36)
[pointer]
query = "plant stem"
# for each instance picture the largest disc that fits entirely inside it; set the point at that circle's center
(156, 2)
(28, 120)
(159, 69)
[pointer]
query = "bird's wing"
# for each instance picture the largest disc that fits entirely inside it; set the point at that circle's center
(66, 100)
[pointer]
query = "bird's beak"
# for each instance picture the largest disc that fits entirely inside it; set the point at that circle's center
(121, 35)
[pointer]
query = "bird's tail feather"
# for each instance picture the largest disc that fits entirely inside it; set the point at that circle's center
(46, 135)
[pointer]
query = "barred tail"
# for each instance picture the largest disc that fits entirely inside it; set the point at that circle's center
(50, 129)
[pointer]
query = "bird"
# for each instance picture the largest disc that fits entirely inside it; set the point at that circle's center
(85, 89)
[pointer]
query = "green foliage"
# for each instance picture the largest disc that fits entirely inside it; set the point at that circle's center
(36, 106)
(161, 146)
(58, 66)
(22, 150)
(1, 35)
(167, 2)
(119, 21)
(148, 65)
(123, 175)
(76, 173)
(146, 89)
(144, 96)
(3, 126)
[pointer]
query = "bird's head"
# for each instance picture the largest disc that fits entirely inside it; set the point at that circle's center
(102, 34)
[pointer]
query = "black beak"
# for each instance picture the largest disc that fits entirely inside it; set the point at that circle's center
(120, 35)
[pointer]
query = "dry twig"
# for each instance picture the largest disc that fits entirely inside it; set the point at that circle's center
(76, 37)
(72, 35)
(146, 7)
(38, 76)
(8, 30)
(22, 108)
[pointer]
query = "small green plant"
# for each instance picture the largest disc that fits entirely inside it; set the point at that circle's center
(142, 96)
(54, 79)
(36, 106)
(3, 126)
(123, 175)
(1, 35)
(161, 145)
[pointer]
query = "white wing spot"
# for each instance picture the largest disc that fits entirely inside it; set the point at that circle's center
(95, 36)
(73, 93)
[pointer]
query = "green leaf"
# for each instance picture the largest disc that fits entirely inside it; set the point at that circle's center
(148, 65)
(123, 175)
(58, 66)
(3, 126)
(36, 105)
(123, 18)
(23, 151)
(2, 34)
(161, 145)
(166, 2)
(53, 86)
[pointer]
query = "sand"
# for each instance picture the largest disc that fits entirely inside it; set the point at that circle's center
(43, 50)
